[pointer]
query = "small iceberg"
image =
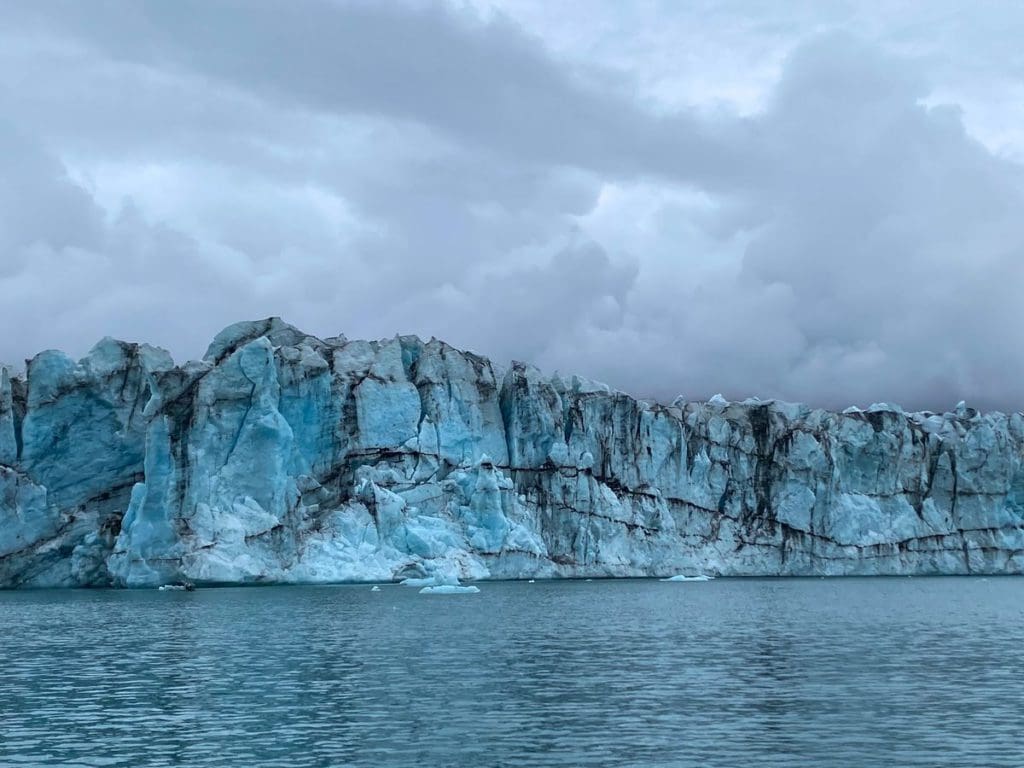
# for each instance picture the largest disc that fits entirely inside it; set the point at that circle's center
(680, 577)
(449, 589)
(375, 588)
(186, 586)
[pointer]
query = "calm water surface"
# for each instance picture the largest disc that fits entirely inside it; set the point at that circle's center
(844, 672)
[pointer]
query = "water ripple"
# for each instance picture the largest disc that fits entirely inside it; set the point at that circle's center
(778, 673)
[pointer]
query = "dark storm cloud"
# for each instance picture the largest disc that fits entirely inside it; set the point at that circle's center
(485, 84)
(379, 168)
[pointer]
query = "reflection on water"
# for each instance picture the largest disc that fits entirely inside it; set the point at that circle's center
(845, 672)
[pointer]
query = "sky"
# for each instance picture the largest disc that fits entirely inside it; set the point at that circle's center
(819, 201)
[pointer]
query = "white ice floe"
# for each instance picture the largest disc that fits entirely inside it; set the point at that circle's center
(449, 589)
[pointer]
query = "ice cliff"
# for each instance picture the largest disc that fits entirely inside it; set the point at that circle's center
(281, 457)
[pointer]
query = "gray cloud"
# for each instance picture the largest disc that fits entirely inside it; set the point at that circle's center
(486, 84)
(884, 248)
(373, 169)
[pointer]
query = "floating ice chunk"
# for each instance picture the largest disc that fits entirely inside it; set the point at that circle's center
(718, 400)
(375, 588)
(449, 589)
(532, 581)
(186, 587)
(681, 577)
(852, 409)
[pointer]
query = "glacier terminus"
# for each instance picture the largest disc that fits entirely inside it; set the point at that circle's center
(284, 458)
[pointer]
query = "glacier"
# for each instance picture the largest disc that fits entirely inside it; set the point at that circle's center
(285, 458)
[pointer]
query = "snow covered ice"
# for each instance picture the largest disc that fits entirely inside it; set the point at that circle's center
(285, 458)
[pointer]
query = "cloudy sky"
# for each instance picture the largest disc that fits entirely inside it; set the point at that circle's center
(820, 201)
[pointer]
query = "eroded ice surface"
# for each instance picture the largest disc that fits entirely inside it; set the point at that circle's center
(281, 457)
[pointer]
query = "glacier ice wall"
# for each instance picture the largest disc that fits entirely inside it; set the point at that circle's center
(281, 457)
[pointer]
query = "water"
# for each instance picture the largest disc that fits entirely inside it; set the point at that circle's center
(799, 672)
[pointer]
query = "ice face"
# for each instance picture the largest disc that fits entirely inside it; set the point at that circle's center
(282, 457)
